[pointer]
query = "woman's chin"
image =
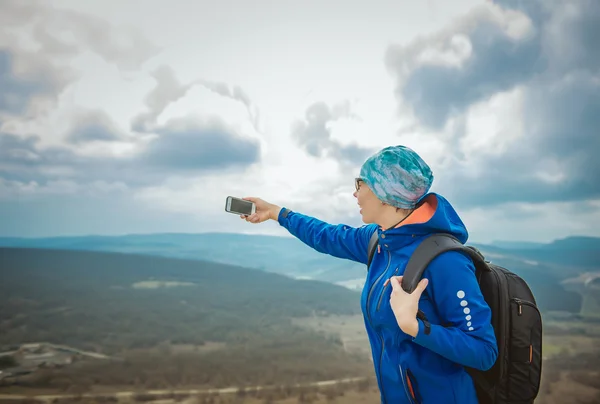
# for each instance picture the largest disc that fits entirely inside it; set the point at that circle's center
(363, 217)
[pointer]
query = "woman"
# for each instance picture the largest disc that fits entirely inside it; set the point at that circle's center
(413, 365)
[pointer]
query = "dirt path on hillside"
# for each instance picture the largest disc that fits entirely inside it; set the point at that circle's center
(182, 392)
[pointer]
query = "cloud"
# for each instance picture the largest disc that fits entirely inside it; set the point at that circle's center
(185, 144)
(168, 90)
(541, 54)
(92, 126)
(235, 93)
(18, 90)
(37, 44)
(314, 134)
(184, 147)
(22, 159)
(65, 33)
(238, 94)
(189, 144)
(481, 54)
(38, 47)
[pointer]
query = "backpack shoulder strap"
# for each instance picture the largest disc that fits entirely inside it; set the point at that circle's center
(430, 248)
(372, 246)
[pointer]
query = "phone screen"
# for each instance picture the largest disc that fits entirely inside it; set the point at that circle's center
(241, 206)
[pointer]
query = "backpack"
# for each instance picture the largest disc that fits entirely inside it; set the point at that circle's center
(516, 375)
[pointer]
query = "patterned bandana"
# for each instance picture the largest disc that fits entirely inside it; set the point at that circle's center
(397, 176)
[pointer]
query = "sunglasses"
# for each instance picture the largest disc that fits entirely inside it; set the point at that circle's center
(357, 182)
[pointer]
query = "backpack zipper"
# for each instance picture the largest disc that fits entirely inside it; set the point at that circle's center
(520, 303)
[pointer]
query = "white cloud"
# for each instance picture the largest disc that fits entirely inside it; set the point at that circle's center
(494, 124)
(454, 53)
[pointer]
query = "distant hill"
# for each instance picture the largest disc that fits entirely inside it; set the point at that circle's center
(161, 313)
(289, 256)
(576, 243)
(284, 255)
(542, 265)
(46, 294)
(569, 252)
(517, 245)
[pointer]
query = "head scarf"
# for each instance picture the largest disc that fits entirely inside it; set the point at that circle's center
(397, 176)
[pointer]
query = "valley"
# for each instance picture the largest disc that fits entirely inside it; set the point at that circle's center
(284, 328)
(543, 266)
(200, 325)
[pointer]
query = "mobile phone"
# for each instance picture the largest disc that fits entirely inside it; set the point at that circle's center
(239, 206)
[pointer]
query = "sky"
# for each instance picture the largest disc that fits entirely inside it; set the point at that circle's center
(142, 117)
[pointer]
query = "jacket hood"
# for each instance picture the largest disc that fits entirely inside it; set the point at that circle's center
(435, 215)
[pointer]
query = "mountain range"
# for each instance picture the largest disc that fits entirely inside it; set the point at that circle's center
(543, 266)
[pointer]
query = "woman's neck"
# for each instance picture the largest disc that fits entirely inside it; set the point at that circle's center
(394, 218)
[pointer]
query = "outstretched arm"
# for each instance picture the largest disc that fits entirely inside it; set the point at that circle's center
(337, 240)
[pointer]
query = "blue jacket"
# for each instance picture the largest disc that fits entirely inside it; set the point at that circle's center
(427, 368)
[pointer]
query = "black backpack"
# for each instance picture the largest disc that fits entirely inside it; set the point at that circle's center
(516, 375)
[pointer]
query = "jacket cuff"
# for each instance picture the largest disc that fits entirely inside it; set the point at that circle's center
(283, 214)
(424, 331)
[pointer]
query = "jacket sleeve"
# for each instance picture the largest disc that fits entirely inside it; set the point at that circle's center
(340, 241)
(468, 336)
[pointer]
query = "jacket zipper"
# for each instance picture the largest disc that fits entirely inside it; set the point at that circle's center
(383, 291)
(371, 322)
(410, 399)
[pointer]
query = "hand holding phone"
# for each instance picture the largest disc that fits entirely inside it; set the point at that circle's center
(239, 206)
(253, 210)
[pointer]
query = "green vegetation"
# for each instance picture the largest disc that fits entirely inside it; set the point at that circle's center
(87, 300)
(7, 362)
(190, 322)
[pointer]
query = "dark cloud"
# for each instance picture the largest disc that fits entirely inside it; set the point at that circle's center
(497, 63)
(351, 153)
(17, 91)
(25, 160)
(183, 148)
(313, 134)
(555, 65)
(93, 126)
(188, 145)
(26, 152)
